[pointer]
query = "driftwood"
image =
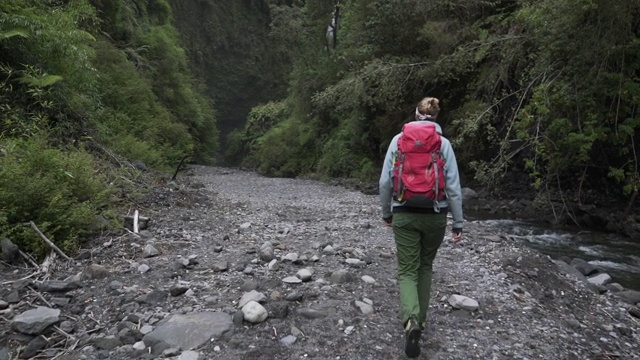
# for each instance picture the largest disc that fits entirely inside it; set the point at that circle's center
(136, 228)
(51, 244)
(21, 279)
(141, 219)
(41, 297)
(29, 259)
(131, 232)
(48, 261)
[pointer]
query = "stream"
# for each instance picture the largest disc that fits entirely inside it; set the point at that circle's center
(614, 254)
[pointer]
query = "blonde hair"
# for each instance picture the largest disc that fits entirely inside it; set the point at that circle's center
(428, 106)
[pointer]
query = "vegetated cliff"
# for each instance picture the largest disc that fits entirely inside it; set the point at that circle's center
(227, 42)
(86, 88)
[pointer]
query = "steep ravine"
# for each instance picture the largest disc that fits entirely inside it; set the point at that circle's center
(214, 232)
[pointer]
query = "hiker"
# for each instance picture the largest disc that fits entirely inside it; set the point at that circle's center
(416, 208)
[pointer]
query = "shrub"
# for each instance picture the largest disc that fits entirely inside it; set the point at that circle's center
(59, 191)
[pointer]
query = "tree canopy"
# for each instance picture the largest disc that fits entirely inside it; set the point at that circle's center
(545, 87)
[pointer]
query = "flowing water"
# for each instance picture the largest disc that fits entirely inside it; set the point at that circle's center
(616, 255)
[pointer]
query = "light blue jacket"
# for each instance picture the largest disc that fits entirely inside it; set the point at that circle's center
(451, 176)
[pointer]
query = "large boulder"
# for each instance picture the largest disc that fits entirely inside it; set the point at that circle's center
(630, 296)
(599, 280)
(35, 321)
(190, 331)
(584, 267)
(10, 252)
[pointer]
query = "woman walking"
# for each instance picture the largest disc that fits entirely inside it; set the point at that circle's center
(418, 187)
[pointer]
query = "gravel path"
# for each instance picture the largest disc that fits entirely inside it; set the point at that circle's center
(222, 233)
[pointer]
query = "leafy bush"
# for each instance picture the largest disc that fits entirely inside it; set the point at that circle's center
(261, 119)
(287, 150)
(59, 191)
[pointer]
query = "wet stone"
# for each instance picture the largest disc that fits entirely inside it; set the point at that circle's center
(155, 297)
(94, 272)
(178, 289)
(150, 251)
(238, 318)
(220, 266)
(107, 342)
(340, 276)
(57, 286)
(249, 285)
(278, 309)
(13, 297)
(292, 280)
(189, 331)
(294, 296)
(254, 312)
(288, 340)
(38, 343)
(310, 313)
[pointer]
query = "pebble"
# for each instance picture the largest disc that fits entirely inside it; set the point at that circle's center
(304, 275)
(368, 279)
(292, 280)
(288, 340)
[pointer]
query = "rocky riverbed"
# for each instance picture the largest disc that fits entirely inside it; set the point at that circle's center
(232, 265)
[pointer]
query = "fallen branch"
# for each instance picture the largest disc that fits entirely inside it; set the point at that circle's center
(63, 333)
(140, 218)
(41, 297)
(51, 244)
(132, 233)
(29, 259)
(178, 168)
(21, 279)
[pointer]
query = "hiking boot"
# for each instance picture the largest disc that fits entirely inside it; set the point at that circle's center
(412, 333)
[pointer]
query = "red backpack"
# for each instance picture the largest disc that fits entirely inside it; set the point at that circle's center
(419, 169)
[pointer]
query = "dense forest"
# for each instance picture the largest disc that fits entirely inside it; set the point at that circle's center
(92, 92)
(549, 88)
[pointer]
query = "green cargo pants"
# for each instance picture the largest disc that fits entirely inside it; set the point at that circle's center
(418, 237)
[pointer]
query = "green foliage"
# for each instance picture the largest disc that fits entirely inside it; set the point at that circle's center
(132, 121)
(59, 191)
(285, 151)
(582, 91)
(548, 87)
(175, 89)
(273, 142)
(110, 74)
(344, 152)
(261, 119)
